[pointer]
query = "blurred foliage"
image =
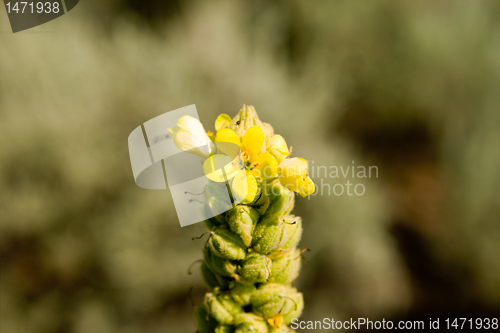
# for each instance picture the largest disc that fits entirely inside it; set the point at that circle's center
(411, 87)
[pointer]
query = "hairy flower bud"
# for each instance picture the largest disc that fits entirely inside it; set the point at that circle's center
(221, 266)
(222, 307)
(205, 323)
(211, 279)
(269, 299)
(242, 292)
(242, 220)
(249, 323)
(226, 244)
(224, 329)
(293, 229)
(293, 307)
(285, 268)
(246, 118)
(215, 204)
(281, 200)
(269, 235)
(255, 269)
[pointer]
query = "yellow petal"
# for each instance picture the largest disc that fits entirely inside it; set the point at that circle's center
(293, 167)
(222, 121)
(307, 187)
(244, 187)
(190, 136)
(264, 166)
(253, 139)
(226, 135)
(277, 146)
(293, 175)
(187, 142)
(219, 168)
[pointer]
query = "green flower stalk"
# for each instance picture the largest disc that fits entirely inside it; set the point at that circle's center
(251, 258)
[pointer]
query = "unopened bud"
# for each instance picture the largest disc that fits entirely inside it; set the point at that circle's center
(242, 220)
(242, 292)
(293, 307)
(223, 308)
(255, 269)
(249, 323)
(224, 329)
(226, 244)
(211, 279)
(281, 200)
(221, 266)
(269, 299)
(206, 323)
(269, 235)
(293, 229)
(285, 268)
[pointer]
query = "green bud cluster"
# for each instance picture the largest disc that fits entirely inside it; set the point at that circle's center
(250, 262)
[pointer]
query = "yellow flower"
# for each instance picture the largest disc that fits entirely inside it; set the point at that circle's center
(263, 165)
(190, 136)
(293, 175)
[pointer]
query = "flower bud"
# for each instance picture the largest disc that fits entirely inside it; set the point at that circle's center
(221, 266)
(281, 200)
(293, 306)
(285, 268)
(224, 329)
(213, 222)
(249, 323)
(242, 292)
(242, 220)
(246, 118)
(223, 308)
(269, 299)
(255, 269)
(226, 244)
(205, 323)
(293, 229)
(216, 203)
(211, 279)
(269, 235)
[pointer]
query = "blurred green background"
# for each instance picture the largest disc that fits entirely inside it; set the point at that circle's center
(410, 87)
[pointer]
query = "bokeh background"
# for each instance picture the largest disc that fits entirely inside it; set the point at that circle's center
(409, 87)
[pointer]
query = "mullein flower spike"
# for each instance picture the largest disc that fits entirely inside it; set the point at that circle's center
(251, 258)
